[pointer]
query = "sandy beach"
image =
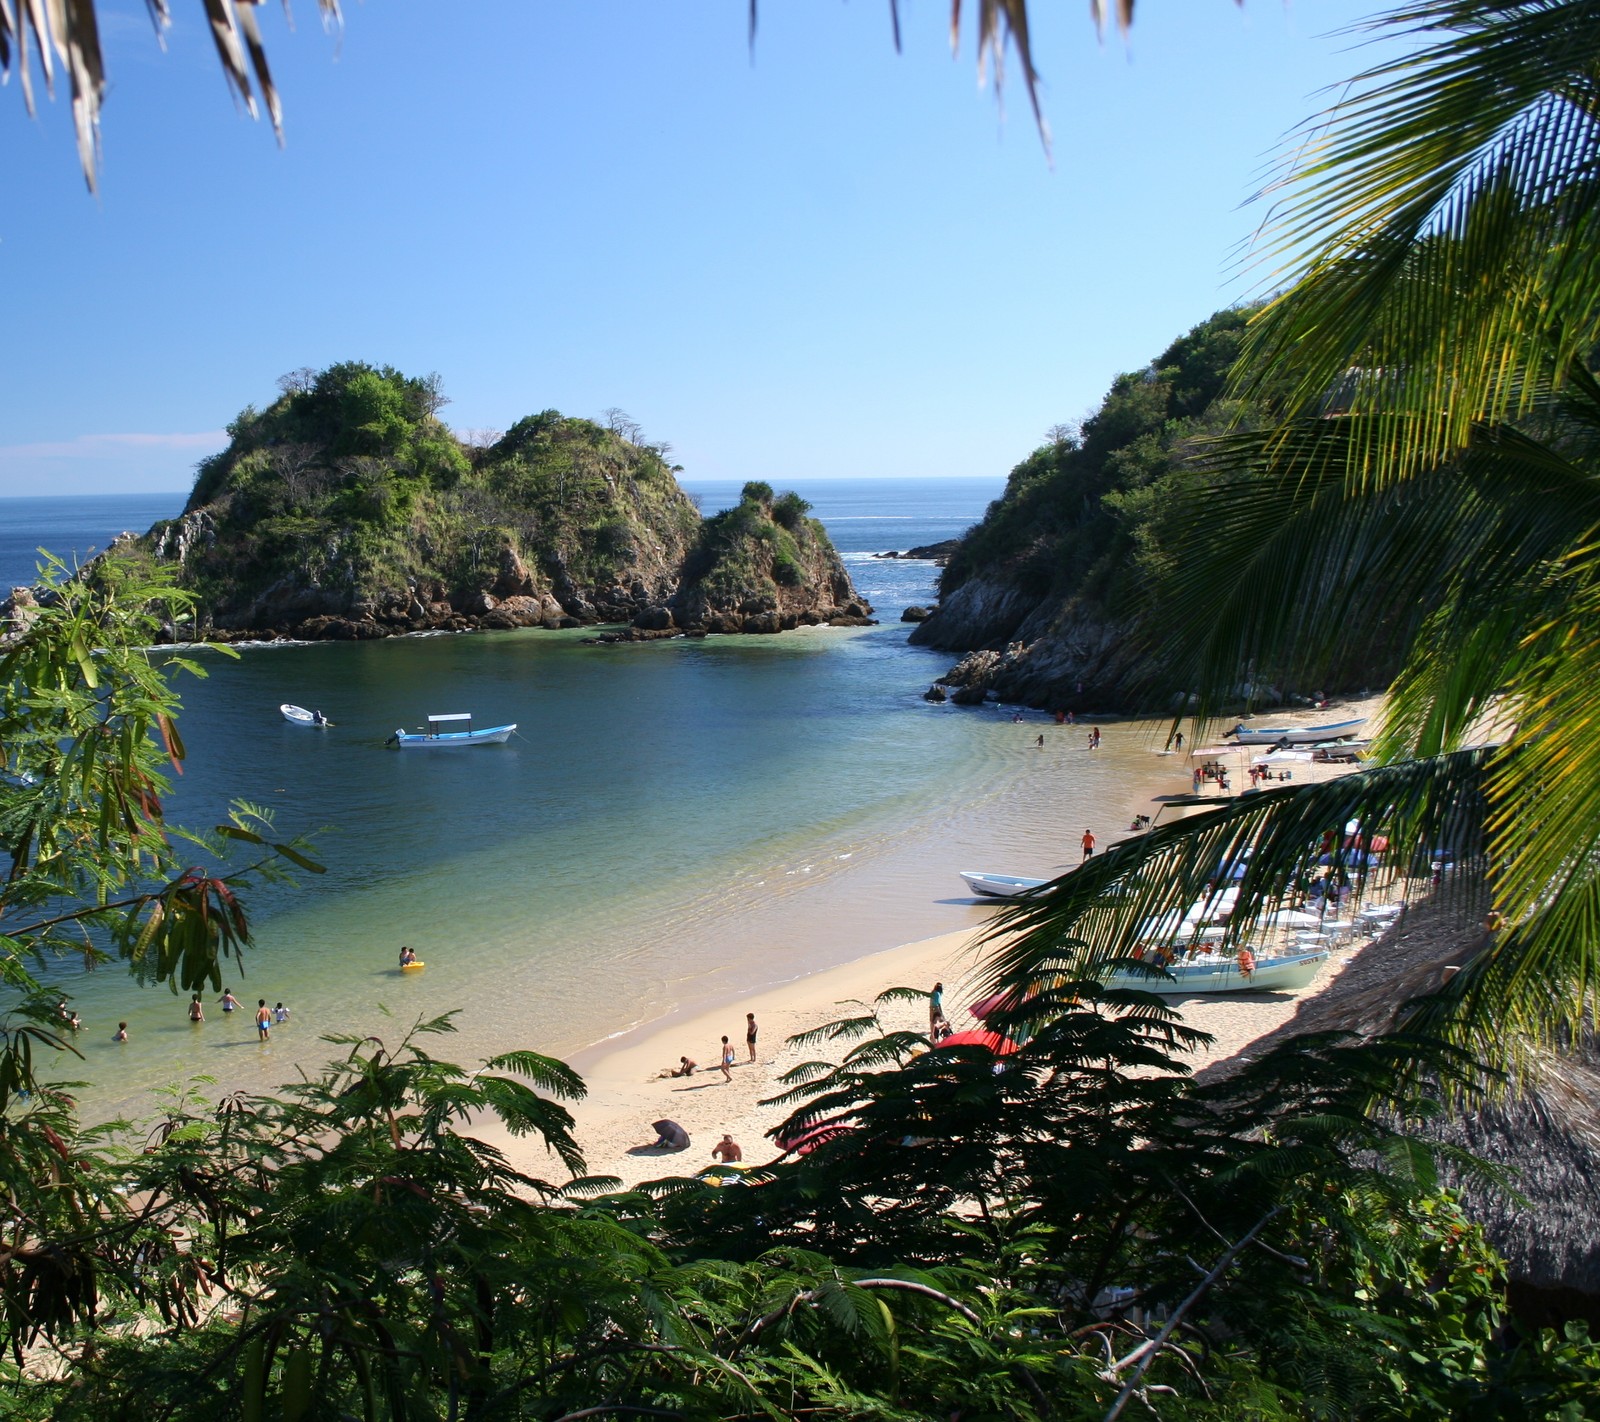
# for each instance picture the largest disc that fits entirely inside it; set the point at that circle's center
(628, 1089)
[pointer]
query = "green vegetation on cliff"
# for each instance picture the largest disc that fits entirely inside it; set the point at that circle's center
(1080, 516)
(347, 497)
(1072, 560)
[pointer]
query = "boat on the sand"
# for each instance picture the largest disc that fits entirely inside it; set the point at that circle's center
(1219, 972)
(1294, 735)
(299, 716)
(1000, 886)
(454, 729)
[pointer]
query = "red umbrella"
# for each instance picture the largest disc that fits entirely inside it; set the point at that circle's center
(981, 1037)
(1007, 1000)
(806, 1141)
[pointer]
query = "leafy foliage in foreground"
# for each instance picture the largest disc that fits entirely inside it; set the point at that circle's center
(1070, 1235)
(1067, 1233)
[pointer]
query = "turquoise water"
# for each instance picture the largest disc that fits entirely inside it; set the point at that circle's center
(675, 821)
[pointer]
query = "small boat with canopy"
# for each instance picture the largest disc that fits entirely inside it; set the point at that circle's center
(454, 729)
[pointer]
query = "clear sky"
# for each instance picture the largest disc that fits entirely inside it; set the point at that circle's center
(828, 260)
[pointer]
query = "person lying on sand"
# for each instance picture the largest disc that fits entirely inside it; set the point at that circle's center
(685, 1067)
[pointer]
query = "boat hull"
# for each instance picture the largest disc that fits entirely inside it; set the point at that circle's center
(1000, 886)
(493, 736)
(297, 715)
(1293, 735)
(1271, 975)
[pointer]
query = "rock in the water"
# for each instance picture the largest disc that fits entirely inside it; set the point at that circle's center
(914, 614)
(936, 693)
(654, 619)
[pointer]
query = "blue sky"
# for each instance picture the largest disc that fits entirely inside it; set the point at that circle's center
(830, 260)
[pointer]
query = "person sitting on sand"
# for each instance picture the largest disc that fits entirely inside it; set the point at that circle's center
(685, 1067)
(727, 1150)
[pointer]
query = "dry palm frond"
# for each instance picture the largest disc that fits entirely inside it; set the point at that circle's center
(68, 30)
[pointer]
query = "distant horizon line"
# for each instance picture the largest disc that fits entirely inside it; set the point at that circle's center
(719, 479)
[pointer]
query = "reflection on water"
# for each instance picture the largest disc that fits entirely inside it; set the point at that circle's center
(674, 821)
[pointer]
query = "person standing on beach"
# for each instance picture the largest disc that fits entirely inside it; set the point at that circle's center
(727, 1060)
(1040, 741)
(197, 1013)
(935, 1008)
(263, 1019)
(1177, 740)
(750, 1033)
(1088, 843)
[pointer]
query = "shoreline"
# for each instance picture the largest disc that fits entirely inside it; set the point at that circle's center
(625, 1072)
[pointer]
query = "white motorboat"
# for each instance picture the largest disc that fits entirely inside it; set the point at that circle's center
(1294, 735)
(1217, 972)
(454, 729)
(299, 716)
(1000, 886)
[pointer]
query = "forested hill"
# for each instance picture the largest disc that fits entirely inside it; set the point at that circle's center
(1054, 591)
(347, 509)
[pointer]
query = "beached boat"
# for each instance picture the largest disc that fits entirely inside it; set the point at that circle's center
(452, 730)
(1293, 735)
(299, 716)
(999, 886)
(1216, 972)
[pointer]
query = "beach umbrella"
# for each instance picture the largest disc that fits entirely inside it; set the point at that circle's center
(1292, 918)
(980, 1037)
(1007, 1000)
(672, 1135)
(805, 1141)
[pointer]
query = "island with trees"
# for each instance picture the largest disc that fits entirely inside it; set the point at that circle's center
(347, 510)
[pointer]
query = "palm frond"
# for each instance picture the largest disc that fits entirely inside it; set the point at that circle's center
(1441, 219)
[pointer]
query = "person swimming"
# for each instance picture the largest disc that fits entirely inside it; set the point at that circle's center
(408, 956)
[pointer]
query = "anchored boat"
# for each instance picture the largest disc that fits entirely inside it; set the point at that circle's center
(452, 730)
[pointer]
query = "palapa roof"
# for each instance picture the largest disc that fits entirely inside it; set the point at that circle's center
(1544, 1127)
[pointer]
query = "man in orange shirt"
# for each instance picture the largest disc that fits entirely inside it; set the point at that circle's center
(1088, 843)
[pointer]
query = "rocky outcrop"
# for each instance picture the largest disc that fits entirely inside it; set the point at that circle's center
(346, 511)
(929, 552)
(763, 566)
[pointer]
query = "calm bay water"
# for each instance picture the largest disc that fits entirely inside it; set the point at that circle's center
(675, 821)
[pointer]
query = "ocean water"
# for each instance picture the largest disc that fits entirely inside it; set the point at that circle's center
(675, 822)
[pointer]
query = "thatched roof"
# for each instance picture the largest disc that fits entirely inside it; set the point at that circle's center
(1545, 1126)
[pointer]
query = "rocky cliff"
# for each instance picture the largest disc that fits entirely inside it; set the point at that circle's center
(346, 509)
(1055, 596)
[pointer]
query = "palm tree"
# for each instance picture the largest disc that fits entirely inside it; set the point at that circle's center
(70, 34)
(1435, 464)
